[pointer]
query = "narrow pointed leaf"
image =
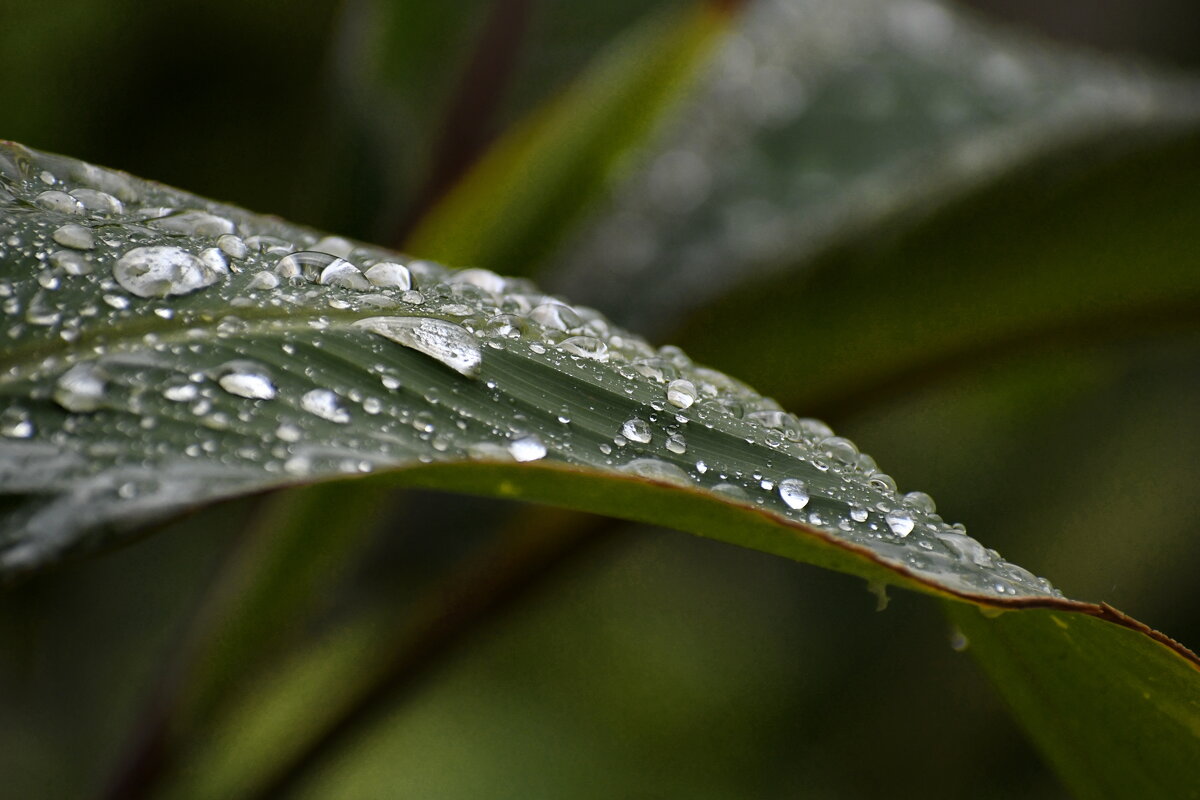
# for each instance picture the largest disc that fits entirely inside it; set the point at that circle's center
(819, 126)
(523, 195)
(162, 351)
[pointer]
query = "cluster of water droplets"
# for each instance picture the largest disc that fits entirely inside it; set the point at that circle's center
(153, 337)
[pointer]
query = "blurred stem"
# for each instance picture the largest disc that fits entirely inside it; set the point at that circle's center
(468, 124)
(473, 598)
(299, 546)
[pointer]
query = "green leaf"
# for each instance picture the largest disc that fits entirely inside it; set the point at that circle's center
(1140, 741)
(164, 351)
(255, 357)
(523, 195)
(818, 129)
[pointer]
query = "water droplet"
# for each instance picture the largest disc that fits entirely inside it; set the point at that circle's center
(98, 202)
(556, 316)
(194, 222)
(677, 444)
(304, 265)
(482, 278)
(585, 347)
(345, 275)
(335, 246)
(161, 271)
(61, 202)
(858, 514)
(15, 423)
(324, 404)
(70, 262)
(657, 470)
(900, 522)
(527, 448)
(232, 246)
(183, 392)
(246, 379)
(389, 274)
(263, 280)
(681, 393)
(76, 236)
(287, 432)
(636, 430)
(81, 388)
(919, 501)
(958, 640)
(793, 493)
(439, 339)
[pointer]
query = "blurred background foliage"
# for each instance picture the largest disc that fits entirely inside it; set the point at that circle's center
(658, 664)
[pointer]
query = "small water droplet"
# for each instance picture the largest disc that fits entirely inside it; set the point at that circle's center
(677, 444)
(858, 514)
(793, 493)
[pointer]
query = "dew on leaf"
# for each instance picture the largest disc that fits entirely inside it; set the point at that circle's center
(439, 339)
(325, 404)
(793, 493)
(160, 271)
(527, 448)
(76, 236)
(636, 430)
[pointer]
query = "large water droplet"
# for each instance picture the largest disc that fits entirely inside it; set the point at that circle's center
(161, 271)
(194, 222)
(793, 493)
(246, 379)
(585, 347)
(81, 388)
(527, 448)
(324, 404)
(389, 274)
(344, 274)
(636, 430)
(900, 522)
(657, 470)
(445, 341)
(681, 393)
(76, 236)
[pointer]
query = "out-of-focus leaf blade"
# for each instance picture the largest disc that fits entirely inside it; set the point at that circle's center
(522, 196)
(1100, 254)
(820, 121)
(1141, 741)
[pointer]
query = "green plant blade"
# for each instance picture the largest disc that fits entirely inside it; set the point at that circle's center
(522, 196)
(163, 351)
(816, 126)
(1141, 741)
(150, 370)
